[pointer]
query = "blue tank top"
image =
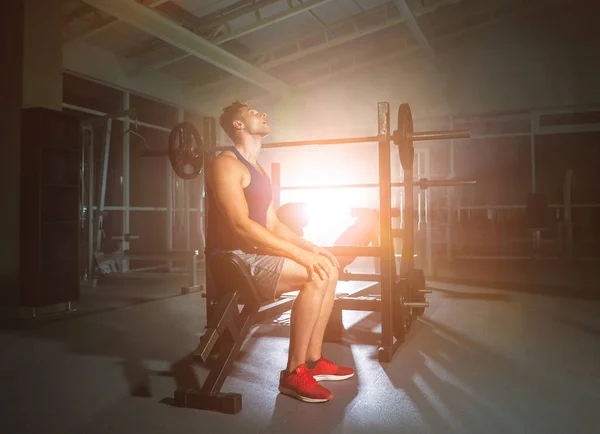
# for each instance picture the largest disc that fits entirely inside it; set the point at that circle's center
(258, 194)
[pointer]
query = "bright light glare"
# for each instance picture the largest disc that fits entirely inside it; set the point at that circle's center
(328, 216)
(328, 209)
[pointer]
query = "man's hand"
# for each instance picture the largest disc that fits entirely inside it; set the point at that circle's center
(316, 265)
(328, 255)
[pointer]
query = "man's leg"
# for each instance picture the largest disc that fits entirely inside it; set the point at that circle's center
(296, 380)
(314, 351)
(306, 309)
(318, 367)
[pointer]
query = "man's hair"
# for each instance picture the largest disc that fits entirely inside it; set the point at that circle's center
(230, 114)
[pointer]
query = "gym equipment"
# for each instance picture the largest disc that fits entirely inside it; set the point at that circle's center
(536, 217)
(93, 212)
(402, 312)
(568, 219)
(403, 136)
(186, 150)
(134, 132)
(226, 331)
(186, 147)
(401, 297)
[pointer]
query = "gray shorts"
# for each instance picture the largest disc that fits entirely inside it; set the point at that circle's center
(266, 271)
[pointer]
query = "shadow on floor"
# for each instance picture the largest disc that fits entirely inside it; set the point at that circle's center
(451, 374)
(475, 295)
(575, 291)
(129, 335)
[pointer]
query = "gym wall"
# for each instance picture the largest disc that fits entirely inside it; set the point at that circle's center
(148, 176)
(546, 64)
(11, 23)
(539, 61)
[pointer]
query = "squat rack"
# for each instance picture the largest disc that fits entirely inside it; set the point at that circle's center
(387, 303)
(395, 301)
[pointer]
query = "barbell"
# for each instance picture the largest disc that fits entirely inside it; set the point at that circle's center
(186, 149)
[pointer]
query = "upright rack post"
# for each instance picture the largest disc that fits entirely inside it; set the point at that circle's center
(388, 271)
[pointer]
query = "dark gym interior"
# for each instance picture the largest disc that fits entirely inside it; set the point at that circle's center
(446, 151)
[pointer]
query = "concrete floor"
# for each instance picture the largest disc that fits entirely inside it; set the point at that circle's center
(479, 361)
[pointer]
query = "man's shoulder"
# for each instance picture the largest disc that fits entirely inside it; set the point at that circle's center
(226, 163)
(226, 159)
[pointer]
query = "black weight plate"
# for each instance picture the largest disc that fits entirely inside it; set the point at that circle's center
(186, 151)
(403, 137)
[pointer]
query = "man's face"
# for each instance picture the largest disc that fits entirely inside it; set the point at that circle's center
(255, 122)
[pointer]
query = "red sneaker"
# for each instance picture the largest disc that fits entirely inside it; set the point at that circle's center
(327, 370)
(301, 385)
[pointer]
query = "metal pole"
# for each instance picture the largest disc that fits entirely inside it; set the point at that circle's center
(126, 172)
(408, 241)
(396, 166)
(100, 120)
(534, 128)
(91, 218)
(450, 200)
(187, 221)
(420, 193)
(428, 249)
(426, 183)
(200, 219)
(209, 134)
(568, 215)
(105, 155)
(387, 253)
(452, 172)
(169, 228)
(186, 215)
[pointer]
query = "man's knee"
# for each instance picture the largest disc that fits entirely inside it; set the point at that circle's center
(332, 280)
(334, 275)
(317, 285)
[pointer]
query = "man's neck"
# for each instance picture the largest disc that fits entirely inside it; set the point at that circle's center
(249, 147)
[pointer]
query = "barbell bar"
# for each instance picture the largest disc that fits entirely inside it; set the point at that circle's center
(185, 148)
(416, 304)
(422, 183)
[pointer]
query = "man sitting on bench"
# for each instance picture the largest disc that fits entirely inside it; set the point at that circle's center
(242, 219)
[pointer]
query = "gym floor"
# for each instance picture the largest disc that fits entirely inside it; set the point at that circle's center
(480, 361)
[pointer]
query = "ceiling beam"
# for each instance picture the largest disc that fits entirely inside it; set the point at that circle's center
(335, 71)
(268, 60)
(97, 64)
(104, 24)
(272, 19)
(163, 28)
(229, 13)
(413, 25)
(225, 37)
(407, 51)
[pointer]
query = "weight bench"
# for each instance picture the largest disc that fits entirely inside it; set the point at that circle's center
(226, 330)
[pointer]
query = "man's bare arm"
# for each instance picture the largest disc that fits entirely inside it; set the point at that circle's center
(225, 179)
(281, 230)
